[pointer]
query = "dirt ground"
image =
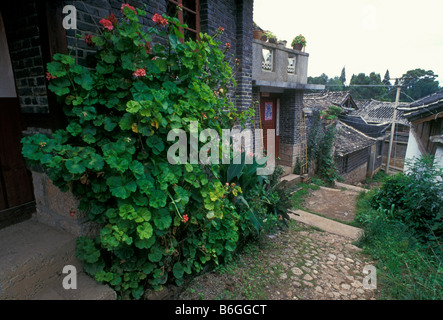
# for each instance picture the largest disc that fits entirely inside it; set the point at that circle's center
(332, 203)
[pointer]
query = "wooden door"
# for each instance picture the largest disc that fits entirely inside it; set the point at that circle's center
(268, 119)
(16, 187)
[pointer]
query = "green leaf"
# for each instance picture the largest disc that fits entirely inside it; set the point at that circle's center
(156, 144)
(104, 68)
(56, 69)
(155, 254)
(182, 195)
(126, 121)
(158, 199)
(74, 128)
(86, 250)
(75, 166)
(64, 58)
(85, 80)
(178, 270)
(95, 162)
(145, 244)
(162, 219)
(60, 86)
(137, 168)
(109, 124)
(133, 106)
(120, 187)
(234, 171)
(144, 230)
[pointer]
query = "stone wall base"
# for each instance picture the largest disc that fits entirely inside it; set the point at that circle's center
(357, 175)
(288, 154)
(60, 209)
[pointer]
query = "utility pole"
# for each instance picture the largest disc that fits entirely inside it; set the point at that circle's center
(394, 118)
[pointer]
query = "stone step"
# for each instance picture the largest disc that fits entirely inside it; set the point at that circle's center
(32, 257)
(292, 179)
(326, 224)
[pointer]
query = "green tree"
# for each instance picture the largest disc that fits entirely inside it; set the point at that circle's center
(367, 87)
(322, 79)
(335, 84)
(419, 83)
(343, 76)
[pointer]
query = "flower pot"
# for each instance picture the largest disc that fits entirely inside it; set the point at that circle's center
(264, 38)
(272, 40)
(256, 34)
(298, 46)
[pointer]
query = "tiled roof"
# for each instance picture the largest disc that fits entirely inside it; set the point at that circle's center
(380, 112)
(324, 99)
(424, 107)
(349, 140)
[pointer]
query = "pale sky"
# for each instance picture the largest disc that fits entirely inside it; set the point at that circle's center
(361, 35)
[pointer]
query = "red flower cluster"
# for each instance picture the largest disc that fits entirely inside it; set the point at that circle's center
(125, 5)
(107, 24)
(228, 45)
(50, 76)
(159, 19)
(88, 41)
(139, 73)
(112, 18)
(221, 29)
(185, 218)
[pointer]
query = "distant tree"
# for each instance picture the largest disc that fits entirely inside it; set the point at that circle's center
(322, 79)
(387, 78)
(335, 84)
(367, 87)
(419, 83)
(343, 76)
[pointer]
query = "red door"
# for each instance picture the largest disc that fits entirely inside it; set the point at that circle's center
(268, 119)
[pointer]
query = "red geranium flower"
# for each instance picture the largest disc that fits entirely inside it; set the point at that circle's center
(113, 19)
(221, 29)
(139, 73)
(106, 24)
(88, 41)
(50, 76)
(185, 218)
(159, 19)
(125, 5)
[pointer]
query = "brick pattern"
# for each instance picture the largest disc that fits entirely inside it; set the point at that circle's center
(23, 34)
(351, 161)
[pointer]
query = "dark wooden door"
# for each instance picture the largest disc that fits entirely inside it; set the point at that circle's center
(15, 178)
(268, 118)
(16, 190)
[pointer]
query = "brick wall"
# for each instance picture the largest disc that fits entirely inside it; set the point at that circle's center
(23, 34)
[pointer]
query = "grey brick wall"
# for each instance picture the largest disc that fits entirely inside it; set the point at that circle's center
(23, 34)
(290, 104)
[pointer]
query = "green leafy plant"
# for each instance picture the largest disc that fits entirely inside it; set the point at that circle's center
(300, 39)
(320, 144)
(159, 222)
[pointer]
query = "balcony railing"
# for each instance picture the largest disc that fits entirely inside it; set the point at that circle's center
(276, 63)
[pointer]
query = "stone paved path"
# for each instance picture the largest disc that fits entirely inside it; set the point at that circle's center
(302, 263)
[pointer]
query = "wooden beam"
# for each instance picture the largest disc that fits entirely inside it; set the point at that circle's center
(433, 117)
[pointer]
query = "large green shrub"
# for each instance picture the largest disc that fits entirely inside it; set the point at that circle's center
(416, 199)
(159, 221)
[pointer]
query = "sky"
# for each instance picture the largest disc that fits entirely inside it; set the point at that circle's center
(360, 35)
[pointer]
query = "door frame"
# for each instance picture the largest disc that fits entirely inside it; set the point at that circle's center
(275, 99)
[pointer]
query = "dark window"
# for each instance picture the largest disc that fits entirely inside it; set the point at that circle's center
(190, 16)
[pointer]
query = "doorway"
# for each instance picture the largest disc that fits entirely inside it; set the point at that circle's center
(16, 190)
(269, 119)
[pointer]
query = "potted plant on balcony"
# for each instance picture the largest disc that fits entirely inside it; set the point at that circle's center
(272, 38)
(257, 32)
(299, 42)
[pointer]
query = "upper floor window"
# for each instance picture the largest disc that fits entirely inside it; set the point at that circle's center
(190, 15)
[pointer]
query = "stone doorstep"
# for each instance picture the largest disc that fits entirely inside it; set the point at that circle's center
(32, 257)
(292, 179)
(326, 224)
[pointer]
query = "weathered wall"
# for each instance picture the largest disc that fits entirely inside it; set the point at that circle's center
(356, 176)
